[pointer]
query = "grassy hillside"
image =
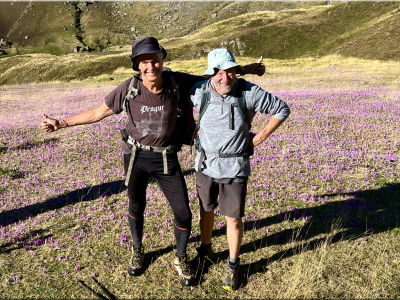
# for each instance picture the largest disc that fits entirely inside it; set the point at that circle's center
(57, 27)
(367, 30)
(46, 67)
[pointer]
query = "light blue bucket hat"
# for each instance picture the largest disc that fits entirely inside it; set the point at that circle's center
(221, 59)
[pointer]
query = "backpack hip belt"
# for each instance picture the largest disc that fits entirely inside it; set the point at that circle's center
(222, 155)
(137, 146)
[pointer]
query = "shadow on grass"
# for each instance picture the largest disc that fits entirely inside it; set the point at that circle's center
(188, 172)
(80, 195)
(29, 145)
(370, 210)
(361, 213)
(11, 173)
(153, 255)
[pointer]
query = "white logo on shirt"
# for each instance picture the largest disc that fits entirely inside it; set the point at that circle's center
(151, 109)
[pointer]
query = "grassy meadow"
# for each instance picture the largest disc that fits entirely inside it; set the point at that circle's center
(321, 213)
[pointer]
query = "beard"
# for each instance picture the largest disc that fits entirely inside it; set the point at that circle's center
(224, 88)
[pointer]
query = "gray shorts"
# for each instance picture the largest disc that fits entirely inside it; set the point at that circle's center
(231, 192)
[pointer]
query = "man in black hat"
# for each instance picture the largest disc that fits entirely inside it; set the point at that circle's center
(151, 143)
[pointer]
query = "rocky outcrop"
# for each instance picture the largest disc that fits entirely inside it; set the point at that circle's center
(4, 46)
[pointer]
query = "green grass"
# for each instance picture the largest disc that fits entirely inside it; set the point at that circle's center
(44, 20)
(316, 31)
(51, 49)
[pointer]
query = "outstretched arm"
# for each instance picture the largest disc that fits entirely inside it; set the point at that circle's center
(86, 117)
(256, 139)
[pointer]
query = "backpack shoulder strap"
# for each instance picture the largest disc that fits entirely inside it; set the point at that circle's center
(132, 92)
(174, 84)
(240, 101)
(175, 89)
(205, 100)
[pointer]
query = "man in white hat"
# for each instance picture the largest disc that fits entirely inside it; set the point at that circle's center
(227, 105)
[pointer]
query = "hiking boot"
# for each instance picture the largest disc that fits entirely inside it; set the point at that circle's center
(202, 257)
(135, 266)
(231, 279)
(181, 266)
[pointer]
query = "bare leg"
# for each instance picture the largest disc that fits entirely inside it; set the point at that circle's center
(234, 233)
(206, 225)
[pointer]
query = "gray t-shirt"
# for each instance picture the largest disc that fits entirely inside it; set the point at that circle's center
(215, 133)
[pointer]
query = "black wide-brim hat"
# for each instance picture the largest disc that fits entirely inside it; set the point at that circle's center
(145, 46)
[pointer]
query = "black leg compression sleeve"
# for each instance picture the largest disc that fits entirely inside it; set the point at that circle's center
(182, 238)
(174, 188)
(136, 226)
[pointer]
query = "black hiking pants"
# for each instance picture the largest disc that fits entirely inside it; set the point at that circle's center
(173, 186)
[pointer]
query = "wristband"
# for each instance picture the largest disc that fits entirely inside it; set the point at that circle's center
(63, 123)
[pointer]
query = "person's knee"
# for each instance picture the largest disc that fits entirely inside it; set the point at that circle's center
(136, 210)
(235, 223)
(184, 221)
(135, 215)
